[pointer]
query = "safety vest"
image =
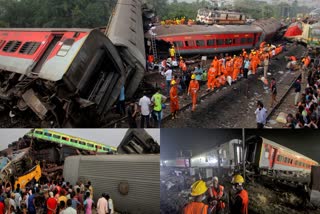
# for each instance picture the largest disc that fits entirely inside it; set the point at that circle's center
(218, 195)
(172, 51)
(157, 102)
(195, 208)
(193, 86)
(245, 201)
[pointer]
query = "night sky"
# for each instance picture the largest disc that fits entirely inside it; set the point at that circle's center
(306, 142)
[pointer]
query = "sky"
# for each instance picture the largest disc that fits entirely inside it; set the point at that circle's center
(111, 137)
(304, 141)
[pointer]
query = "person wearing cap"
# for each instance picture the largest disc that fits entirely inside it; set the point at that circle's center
(52, 204)
(240, 198)
(193, 90)
(174, 100)
(216, 193)
(198, 191)
(172, 52)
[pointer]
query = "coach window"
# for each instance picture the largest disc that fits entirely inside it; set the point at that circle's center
(228, 41)
(200, 43)
(12, 46)
(243, 40)
(235, 41)
(82, 143)
(189, 43)
(220, 42)
(250, 40)
(47, 134)
(285, 159)
(56, 136)
(210, 42)
(38, 132)
(73, 141)
(178, 44)
(29, 48)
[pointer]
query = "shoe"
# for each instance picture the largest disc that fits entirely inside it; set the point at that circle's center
(172, 118)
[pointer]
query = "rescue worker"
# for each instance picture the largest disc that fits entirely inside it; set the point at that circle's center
(306, 61)
(236, 69)
(216, 193)
(193, 90)
(215, 64)
(174, 100)
(266, 59)
(211, 79)
(240, 199)
(254, 62)
(172, 52)
(198, 190)
(229, 67)
(244, 53)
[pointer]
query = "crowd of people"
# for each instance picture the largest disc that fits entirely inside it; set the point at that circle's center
(54, 197)
(307, 100)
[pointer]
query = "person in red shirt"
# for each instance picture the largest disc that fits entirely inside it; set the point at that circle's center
(174, 99)
(2, 207)
(52, 204)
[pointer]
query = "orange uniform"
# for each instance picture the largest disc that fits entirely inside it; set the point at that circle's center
(192, 90)
(211, 78)
(174, 101)
(254, 63)
(195, 208)
(215, 64)
(245, 201)
(236, 69)
(218, 195)
(229, 67)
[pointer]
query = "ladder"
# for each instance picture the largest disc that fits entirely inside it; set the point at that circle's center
(154, 47)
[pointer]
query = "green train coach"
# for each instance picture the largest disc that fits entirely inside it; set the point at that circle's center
(68, 140)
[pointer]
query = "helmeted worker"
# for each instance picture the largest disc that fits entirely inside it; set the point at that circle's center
(216, 193)
(174, 100)
(193, 90)
(254, 62)
(211, 79)
(172, 52)
(198, 190)
(240, 198)
(236, 69)
(229, 67)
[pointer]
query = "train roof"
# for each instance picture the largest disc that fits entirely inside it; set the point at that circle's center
(286, 149)
(48, 29)
(180, 30)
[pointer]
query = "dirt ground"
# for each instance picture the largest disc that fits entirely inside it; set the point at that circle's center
(263, 198)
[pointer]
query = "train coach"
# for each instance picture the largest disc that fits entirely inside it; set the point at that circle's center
(272, 158)
(262, 155)
(60, 74)
(201, 39)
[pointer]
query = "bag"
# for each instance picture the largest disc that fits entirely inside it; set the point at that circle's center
(163, 106)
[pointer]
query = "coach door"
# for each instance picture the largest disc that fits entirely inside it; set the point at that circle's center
(272, 157)
(46, 54)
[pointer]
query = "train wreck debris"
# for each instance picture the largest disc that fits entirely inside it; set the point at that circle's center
(40, 153)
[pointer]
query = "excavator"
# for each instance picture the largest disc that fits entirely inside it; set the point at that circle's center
(34, 173)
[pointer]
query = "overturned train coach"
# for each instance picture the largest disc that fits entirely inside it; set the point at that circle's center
(72, 77)
(202, 39)
(262, 156)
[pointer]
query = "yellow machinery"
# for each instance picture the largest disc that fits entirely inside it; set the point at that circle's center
(34, 173)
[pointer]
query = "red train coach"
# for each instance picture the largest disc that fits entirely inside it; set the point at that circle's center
(60, 74)
(202, 39)
(272, 158)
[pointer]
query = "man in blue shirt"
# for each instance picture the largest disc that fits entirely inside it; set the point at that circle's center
(246, 64)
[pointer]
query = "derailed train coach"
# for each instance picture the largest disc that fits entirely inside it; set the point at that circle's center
(72, 77)
(261, 156)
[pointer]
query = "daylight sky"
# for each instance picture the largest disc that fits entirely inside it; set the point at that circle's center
(111, 137)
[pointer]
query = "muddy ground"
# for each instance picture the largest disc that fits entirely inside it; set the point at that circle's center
(265, 197)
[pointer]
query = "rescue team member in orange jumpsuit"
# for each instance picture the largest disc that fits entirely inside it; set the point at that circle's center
(244, 53)
(215, 64)
(193, 90)
(240, 199)
(198, 190)
(216, 193)
(174, 101)
(236, 69)
(211, 78)
(229, 67)
(254, 62)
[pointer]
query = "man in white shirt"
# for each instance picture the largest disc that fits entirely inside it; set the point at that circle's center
(144, 104)
(168, 75)
(110, 204)
(69, 209)
(102, 205)
(261, 115)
